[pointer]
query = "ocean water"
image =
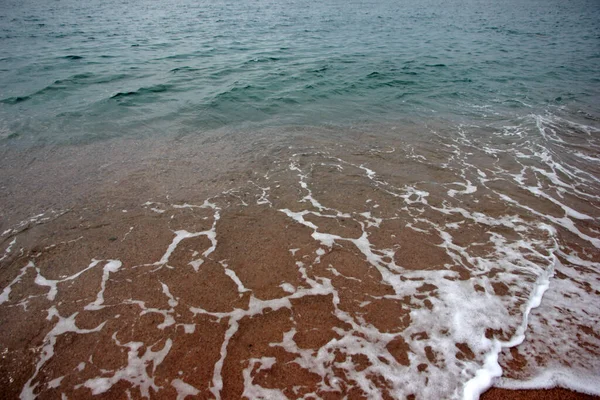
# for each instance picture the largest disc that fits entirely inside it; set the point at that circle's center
(74, 72)
(291, 199)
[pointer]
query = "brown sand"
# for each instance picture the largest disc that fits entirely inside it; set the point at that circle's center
(259, 251)
(547, 394)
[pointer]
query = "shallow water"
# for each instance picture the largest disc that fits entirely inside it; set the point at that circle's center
(368, 262)
(298, 200)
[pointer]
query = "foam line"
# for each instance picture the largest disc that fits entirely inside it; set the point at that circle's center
(63, 326)
(252, 391)
(136, 371)
(4, 296)
(491, 369)
(211, 234)
(8, 249)
(168, 319)
(53, 284)
(179, 236)
(172, 301)
(231, 273)
(550, 378)
(217, 381)
(110, 266)
(565, 222)
(184, 389)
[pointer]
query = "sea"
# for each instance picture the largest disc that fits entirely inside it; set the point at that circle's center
(299, 199)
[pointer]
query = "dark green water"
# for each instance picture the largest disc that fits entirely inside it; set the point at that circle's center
(75, 71)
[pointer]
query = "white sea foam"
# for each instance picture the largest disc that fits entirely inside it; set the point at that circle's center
(63, 326)
(184, 389)
(110, 266)
(230, 273)
(5, 295)
(8, 249)
(581, 381)
(136, 371)
(252, 391)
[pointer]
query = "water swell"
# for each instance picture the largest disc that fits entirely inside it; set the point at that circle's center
(60, 87)
(144, 91)
(73, 57)
(15, 100)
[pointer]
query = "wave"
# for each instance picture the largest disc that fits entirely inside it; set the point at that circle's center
(376, 80)
(143, 91)
(64, 85)
(238, 93)
(184, 69)
(262, 60)
(15, 100)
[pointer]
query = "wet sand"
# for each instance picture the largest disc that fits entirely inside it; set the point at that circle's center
(286, 267)
(548, 394)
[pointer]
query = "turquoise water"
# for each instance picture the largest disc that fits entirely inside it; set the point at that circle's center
(75, 71)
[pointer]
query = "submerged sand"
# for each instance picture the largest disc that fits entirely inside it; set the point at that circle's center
(305, 263)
